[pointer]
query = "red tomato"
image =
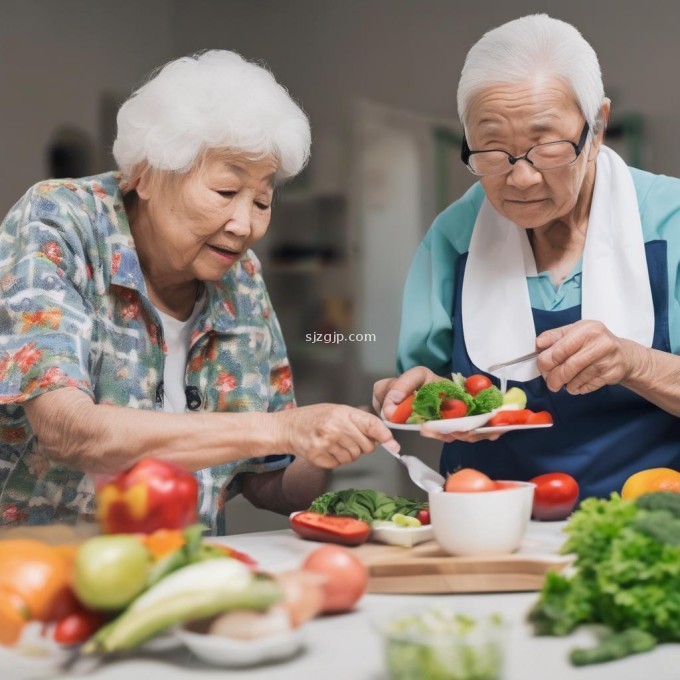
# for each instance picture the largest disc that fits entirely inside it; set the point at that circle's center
(476, 383)
(78, 627)
(347, 577)
(540, 418)
(555, 496)
(519, 417)
(403, 410)
(331, 529)
(453, 408)
(423, 516)
(468, 480)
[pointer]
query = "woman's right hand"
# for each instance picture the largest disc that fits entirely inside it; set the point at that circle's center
(329, 435)
(390, 392)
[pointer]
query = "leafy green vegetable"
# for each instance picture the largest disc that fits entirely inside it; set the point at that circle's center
(627, 570)
(365, 504)
(428, 399)
(614, 646)
(486, 400)
(662, 500)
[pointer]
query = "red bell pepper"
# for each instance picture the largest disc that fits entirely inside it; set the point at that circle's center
(152, 495)
(330, 528)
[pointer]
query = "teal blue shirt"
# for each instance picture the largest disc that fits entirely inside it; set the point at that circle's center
(426, 335)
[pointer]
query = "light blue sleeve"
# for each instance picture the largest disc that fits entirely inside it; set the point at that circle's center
(426, 335)
(659, 201)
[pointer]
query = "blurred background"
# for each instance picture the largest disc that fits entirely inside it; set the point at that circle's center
(378, 80)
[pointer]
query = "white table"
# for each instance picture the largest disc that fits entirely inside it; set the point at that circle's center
(347, 646)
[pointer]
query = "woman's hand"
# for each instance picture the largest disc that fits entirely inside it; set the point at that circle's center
(390, 392)
(329, 435)
(583, 357)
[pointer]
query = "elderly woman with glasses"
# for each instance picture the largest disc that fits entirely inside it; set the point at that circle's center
(559, 249)
(134, 319)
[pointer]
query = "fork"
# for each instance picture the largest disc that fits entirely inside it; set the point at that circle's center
(421, 475)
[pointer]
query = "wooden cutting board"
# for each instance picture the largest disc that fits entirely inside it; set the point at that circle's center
(426, 568)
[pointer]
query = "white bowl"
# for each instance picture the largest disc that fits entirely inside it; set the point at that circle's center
(481, 523)
(223, 651)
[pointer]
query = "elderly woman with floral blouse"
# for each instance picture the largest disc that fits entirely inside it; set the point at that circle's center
(134, 320)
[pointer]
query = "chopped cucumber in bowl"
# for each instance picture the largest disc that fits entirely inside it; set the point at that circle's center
(440, 644)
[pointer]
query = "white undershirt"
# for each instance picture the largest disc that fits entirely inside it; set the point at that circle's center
(177, 336)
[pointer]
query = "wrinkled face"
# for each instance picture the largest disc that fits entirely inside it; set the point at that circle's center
(202, 223)
(515, 117)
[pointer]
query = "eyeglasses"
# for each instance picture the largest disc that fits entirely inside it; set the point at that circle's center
(542, 156)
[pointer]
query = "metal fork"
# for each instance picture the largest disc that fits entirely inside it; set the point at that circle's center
(421, 475)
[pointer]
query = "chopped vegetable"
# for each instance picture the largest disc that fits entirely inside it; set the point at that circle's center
(343, 530)
(476, 383)
(439, 644)
(403, 411)
(486, 400)
(365, 504)
(627, 570)
(428, 399)
(405, 520)
(515, 396)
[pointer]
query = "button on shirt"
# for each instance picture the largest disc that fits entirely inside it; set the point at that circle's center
(74, 312)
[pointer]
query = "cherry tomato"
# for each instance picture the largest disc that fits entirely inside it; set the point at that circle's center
(468, 480)
(423, 516)
(347, 576)
(78, 627)
(476, 383)
(453, 408)
(555, 496)
(403, 410)
(540, 418)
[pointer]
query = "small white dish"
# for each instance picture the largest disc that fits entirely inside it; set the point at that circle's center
(390, 533)
(499, 429)
(223, 651)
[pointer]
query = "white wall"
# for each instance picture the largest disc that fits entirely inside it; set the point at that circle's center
(56, 58)
(409, 53)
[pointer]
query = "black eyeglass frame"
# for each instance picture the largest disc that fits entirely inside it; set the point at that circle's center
(466, 152)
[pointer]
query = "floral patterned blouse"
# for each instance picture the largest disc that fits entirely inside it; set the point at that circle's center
(74, 313)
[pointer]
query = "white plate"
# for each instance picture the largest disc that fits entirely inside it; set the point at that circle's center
(224, 651)
(390, 533)
(464, 424)
(499, 429)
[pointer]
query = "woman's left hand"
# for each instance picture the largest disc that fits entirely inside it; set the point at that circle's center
(583, 357)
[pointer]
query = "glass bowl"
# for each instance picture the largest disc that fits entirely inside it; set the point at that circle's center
(439, 643)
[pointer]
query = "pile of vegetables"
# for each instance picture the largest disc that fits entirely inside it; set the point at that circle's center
(449, 399)
(347, 516)
(115, 591)
(627, 576)
(365, 504)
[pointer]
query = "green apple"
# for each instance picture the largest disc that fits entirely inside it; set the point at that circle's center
(515, 396)
(110, 571)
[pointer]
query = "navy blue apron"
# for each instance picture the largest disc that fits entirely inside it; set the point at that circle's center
(599, 438)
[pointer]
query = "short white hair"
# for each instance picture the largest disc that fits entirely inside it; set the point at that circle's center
(208, 101)
(529, 47)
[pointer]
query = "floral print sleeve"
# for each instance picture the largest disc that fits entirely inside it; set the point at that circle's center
(45, 327)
